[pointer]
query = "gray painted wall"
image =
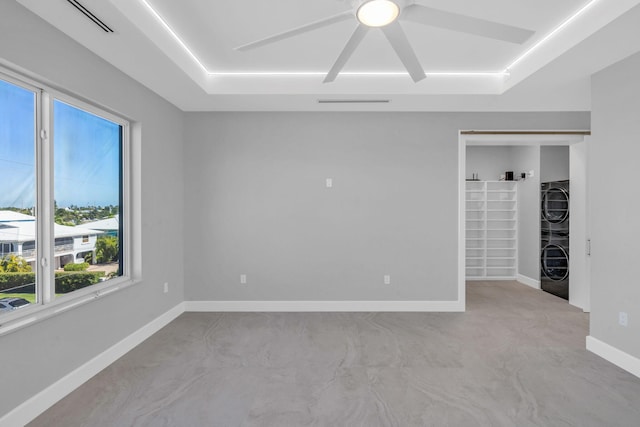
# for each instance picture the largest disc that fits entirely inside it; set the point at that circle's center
(525, 159)
(258, 204)
(554, 163)
(255, 203)
(615, 230)
(488, 161)
(36, 356)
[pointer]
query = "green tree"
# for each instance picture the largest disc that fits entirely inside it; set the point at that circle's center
(14, 264)
(107, 249)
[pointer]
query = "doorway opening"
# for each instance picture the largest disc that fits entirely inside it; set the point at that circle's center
(476, 252)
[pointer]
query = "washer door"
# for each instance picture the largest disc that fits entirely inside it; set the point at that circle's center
(554, 262)
(555, 205)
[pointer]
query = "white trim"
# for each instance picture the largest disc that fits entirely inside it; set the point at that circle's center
(528, 281)
(31, 408)
(39, 312)
(616, 356)
(324, 306)
(462, 215)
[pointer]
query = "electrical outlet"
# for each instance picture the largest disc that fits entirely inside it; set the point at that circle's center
(243, 279)
(387, 279)
(623, 318)
(329, 182)
(166, 287)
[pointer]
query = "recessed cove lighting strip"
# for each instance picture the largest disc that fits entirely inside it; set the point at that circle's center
(175, 36)
(504, 73)
(552, 33)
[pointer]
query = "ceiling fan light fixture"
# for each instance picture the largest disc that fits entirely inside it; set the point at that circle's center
(377, 13)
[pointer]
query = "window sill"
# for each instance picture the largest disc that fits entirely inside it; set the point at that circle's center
(14, 321)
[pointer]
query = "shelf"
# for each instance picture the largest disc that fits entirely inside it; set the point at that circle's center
(493, 203)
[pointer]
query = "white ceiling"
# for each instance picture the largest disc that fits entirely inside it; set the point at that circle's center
(288, 74)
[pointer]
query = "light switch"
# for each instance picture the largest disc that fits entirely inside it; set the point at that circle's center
(329, 182)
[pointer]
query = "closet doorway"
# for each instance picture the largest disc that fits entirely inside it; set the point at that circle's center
(527, 148)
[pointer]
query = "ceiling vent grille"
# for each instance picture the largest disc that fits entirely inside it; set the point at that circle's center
(86, 12)
(353, 101)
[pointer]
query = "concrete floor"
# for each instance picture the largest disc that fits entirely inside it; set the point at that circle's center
(516, 358)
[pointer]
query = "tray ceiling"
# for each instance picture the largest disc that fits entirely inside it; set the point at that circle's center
(186, 50)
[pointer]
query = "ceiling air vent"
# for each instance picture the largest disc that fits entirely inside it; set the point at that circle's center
(86, 12)
(353, 101)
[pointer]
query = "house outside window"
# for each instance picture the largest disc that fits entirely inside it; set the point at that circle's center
(64, 168)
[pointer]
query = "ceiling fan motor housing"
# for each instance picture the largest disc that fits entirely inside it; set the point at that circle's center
(401, 3)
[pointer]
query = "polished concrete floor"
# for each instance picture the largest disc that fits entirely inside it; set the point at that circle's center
(516, 358)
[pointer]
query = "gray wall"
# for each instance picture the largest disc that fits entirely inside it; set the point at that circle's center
(257, 202)
(525, 159)
(36, 356)
(614, 197)
(554, 163)
(489, 162)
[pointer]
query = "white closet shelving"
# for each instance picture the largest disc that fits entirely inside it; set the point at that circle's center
(491, 230)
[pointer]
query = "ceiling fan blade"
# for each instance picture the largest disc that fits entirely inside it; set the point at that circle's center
(465, 24)
(401, 45)
(299, 30)
(346, 53)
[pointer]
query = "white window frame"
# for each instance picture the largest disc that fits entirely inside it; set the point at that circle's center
(48, 305)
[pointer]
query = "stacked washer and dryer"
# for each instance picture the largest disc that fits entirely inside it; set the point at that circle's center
(554, 239)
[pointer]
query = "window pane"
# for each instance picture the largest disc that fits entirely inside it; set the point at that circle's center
(17, 198)
(88, 198)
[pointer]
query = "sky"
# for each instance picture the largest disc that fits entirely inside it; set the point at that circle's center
(86, 153)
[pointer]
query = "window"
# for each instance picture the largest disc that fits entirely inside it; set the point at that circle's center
(62, 210)
(6, 249)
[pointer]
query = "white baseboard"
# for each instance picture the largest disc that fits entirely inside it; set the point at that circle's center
(30, 409)
(325, 306)
(618, 357)
(528, 281)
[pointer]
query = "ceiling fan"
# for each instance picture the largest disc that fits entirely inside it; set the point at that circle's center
(385, 14)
